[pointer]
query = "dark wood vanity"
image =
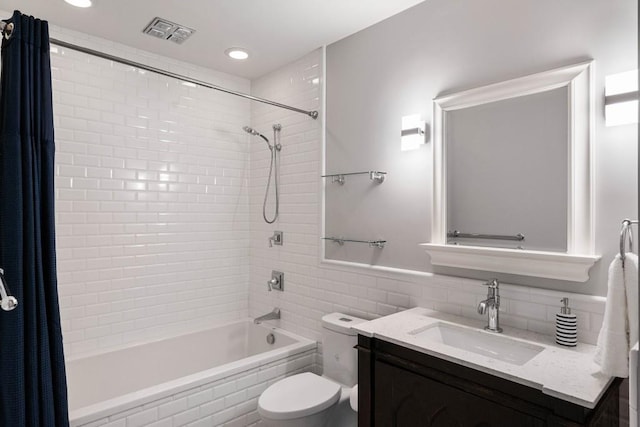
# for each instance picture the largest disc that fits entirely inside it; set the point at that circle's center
(401, 387)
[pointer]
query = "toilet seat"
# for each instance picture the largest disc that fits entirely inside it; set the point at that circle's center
(298, 396)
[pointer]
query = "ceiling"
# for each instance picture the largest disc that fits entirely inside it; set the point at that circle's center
(275, 32)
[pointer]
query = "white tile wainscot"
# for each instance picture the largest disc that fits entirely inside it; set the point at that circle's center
(230, 401)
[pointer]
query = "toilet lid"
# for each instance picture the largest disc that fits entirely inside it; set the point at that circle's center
(298, 396)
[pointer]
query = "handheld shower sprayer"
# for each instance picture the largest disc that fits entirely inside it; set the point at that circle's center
(254, 132)
(250, 130)
(275, 149)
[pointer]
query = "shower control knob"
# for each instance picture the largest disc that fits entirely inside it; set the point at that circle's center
(273, 283)
(276, 239)
(277, 281)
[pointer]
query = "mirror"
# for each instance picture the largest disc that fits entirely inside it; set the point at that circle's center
(507, 173)
(512, 176)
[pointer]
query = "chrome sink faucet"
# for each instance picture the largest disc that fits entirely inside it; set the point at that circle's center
(491, 306)
(274, 315)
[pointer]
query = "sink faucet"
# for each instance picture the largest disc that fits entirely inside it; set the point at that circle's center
(491, 306)
(275, 314)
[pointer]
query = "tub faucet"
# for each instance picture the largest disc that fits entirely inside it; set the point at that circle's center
(491, 306)
(274, 315)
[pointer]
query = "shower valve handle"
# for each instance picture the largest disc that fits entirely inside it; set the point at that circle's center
(272, 283)
(276, 239)
(277, 281)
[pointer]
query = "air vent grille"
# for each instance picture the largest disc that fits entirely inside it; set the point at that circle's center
(167, 30)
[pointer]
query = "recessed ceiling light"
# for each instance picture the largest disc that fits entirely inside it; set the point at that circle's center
(79, 3)
(237, 53)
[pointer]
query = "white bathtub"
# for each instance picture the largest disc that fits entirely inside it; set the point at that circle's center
(213, 377)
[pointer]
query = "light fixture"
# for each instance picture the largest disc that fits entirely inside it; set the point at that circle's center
(621, 98)
(237, 53)
(79, 3)
(412, 135)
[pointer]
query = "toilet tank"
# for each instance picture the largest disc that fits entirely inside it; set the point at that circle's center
(339, 358)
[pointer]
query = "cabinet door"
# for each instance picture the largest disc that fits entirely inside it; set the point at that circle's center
(406, 399)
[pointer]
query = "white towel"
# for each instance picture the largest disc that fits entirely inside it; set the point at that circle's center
(353, 398)
(631, 286)
(620, 326)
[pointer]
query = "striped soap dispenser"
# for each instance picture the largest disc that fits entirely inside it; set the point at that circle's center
(566, 326)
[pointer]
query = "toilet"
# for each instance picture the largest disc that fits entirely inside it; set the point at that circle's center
(310, 400)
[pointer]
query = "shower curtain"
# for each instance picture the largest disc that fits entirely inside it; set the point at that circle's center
(33, 388)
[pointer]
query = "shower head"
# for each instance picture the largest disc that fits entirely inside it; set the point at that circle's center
(252, 131)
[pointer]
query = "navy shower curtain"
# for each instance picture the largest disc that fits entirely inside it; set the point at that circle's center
(33, 389)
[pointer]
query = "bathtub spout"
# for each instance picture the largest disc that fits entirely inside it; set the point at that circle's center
(275, 314)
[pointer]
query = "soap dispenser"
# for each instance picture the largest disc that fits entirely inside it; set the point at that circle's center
(566, 326)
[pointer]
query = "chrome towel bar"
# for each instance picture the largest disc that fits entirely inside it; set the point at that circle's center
(458, 234)
(372, 243)
(376, 176)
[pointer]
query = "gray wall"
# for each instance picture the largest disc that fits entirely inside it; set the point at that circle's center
(397, 67)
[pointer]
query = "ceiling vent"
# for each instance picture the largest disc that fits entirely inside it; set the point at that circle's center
(167, 30)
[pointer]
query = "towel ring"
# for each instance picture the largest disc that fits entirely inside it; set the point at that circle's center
(626, 236)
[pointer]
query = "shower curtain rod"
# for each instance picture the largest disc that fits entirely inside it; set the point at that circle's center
(312, 114)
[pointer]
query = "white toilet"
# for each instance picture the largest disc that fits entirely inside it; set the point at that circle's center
(310, 400)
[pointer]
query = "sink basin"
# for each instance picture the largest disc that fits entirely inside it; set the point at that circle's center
(483, 343)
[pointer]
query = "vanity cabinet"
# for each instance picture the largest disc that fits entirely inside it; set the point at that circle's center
(400, 387)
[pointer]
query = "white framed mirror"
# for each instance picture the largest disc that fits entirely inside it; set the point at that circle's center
(493, 146)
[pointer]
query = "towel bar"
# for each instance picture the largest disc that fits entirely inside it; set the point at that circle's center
(372, 243)
(459, 234)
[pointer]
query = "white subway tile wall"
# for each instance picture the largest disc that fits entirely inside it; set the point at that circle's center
(151, 197)
(228, 402)
(312, 288)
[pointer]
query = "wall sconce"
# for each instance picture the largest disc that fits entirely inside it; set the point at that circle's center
(412, 135)
(621, 98)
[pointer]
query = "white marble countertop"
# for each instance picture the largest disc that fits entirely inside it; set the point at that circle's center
(567, 373)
